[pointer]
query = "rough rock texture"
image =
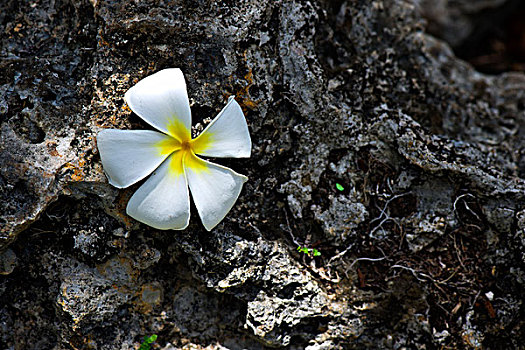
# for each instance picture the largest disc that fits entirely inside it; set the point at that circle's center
(424, 247)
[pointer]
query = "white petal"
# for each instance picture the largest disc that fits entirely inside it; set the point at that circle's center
(227, 135)
(161, 100)
(163, 201)
(128, 156)
(214, 189)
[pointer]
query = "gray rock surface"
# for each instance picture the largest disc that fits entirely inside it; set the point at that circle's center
(423, 248)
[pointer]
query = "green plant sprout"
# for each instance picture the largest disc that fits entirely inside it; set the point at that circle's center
(308, 251)
(146, 344)
(339, 186)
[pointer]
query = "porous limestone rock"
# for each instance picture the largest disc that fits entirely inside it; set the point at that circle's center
(429, 151)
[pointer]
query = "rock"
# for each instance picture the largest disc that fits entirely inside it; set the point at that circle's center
(455, 21)
(7, 262)
(429, 153)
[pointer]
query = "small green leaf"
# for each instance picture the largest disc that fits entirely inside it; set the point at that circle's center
(147, 341)
(339, 186)
(308, 251)
(302, 250)
(151, 339)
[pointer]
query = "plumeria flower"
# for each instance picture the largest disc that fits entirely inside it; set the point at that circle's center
(171, 156)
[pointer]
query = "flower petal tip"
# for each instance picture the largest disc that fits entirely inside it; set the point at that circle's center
(160, 98)
(128, 156)
(227, 135)
(163, 201)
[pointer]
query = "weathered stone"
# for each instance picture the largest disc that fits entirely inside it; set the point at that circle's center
(429, 153)
(7, 262)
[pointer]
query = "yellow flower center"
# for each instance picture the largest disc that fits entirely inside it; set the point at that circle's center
(184, 148)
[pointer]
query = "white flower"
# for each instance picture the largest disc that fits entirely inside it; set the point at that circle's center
(128, 156)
